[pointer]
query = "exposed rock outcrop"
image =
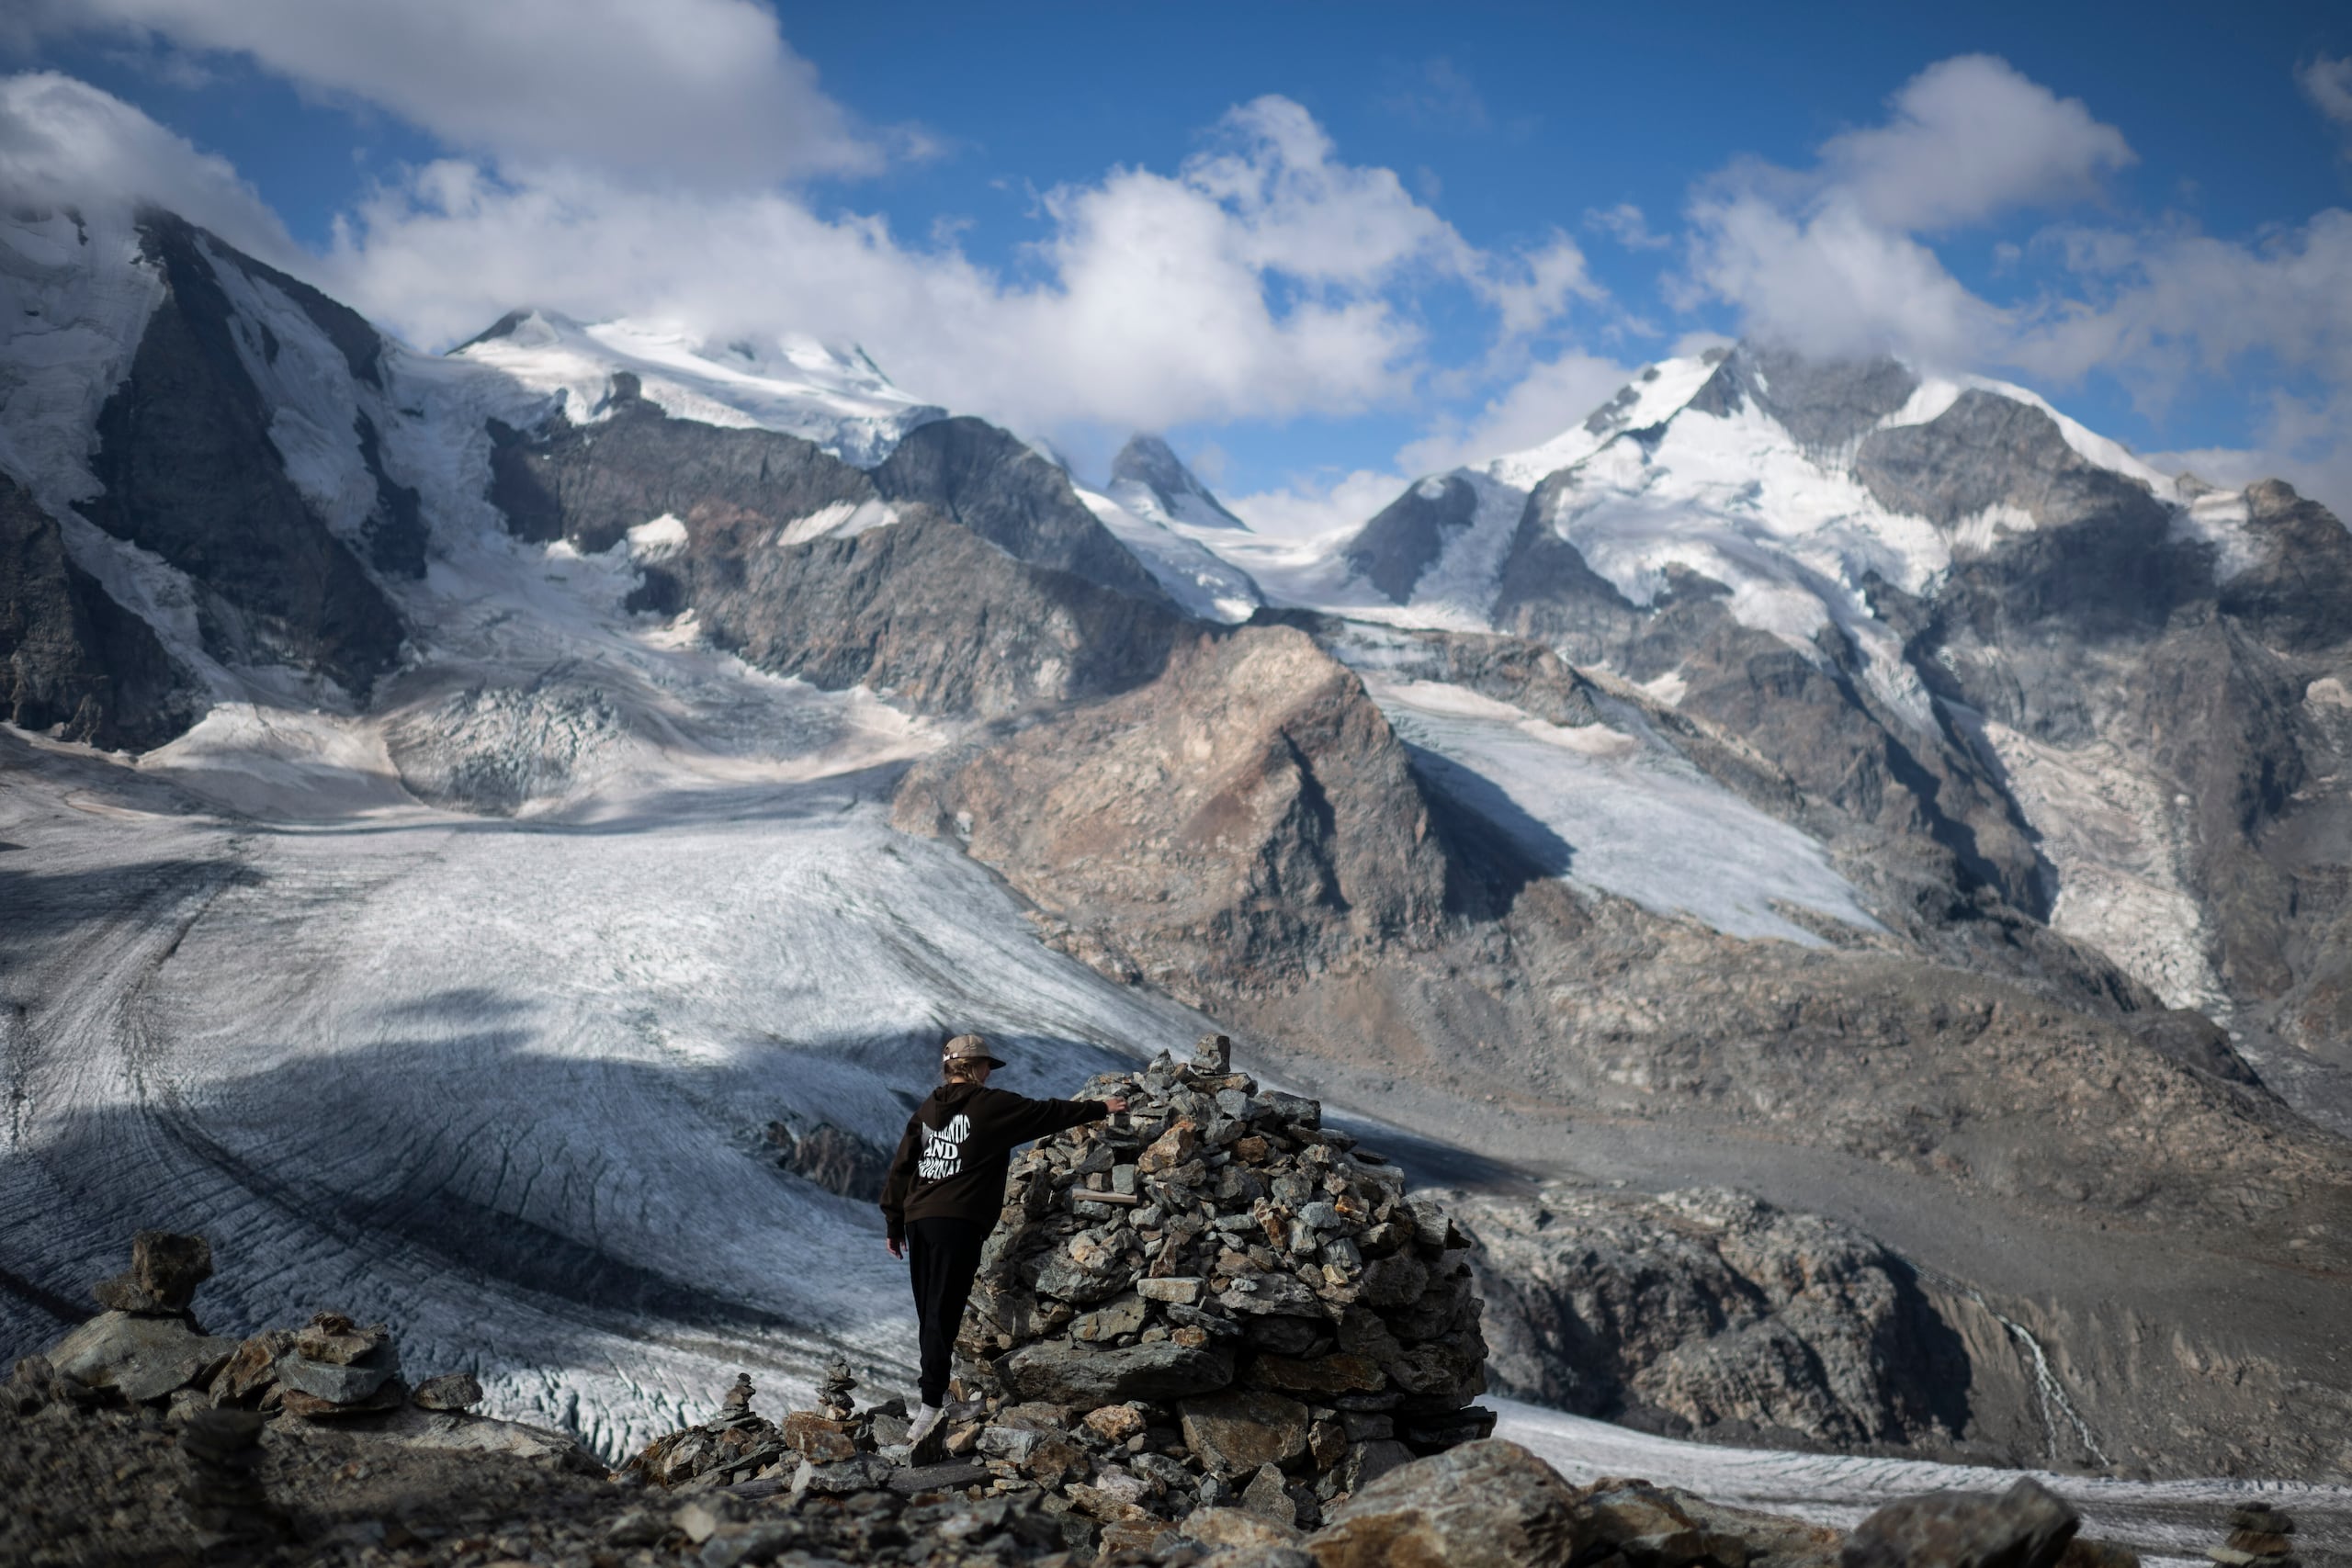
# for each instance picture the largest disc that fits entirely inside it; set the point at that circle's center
(72, 661)
(962, 576)
(1248, 813)
(1708, 1312)
(190, 472)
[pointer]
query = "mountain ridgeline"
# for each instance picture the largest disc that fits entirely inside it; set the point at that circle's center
(1821, 778)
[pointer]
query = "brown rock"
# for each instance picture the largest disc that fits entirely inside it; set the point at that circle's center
(1322, 1374)
(1327, 1441)
(818, 1438)
(2026, 1527)
(2082, 1554)
(1488, 1505)
(1234, 1434)
(1238, 1529)
(1171, 1150)
(252, 1368)
(1115, 1423)
(390, 1396)
(450, 1391)
(333, 1339)
(164, 1271)
(1054, 1460)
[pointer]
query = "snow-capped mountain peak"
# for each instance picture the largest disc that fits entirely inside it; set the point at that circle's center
(834, 396)
(1150, 481)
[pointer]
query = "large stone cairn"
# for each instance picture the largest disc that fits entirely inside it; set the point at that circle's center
(1218, 1277)
(1210, 1310)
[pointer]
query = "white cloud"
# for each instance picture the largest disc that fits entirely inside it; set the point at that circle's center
(1829, 281)
(1314, 504)
(1627, 225)
(1969, 138)
(64, 143)
(2328, 83)
(698, 91)
(1553, 396)
(1439, 95)
(1265, 277)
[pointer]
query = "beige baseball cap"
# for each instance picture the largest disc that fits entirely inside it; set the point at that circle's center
(969, 1048)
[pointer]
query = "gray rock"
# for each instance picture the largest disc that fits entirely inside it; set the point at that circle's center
(324, 1380)
(1122, 1315)
(1235, 1434)
(949, 1475)
(1072, 1374)
(141, 1358)
(1707, 1307)
(866, 1472)
(1490, 1505)
(1268, 1498)
(2026, 1527)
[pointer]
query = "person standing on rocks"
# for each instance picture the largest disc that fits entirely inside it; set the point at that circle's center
(945, 1187)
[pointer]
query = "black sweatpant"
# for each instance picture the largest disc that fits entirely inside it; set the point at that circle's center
(944, 1256)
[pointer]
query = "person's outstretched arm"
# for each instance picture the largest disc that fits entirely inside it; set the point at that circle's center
(1024, 1119)
(894, 1189)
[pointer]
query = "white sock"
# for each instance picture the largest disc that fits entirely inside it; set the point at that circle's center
(926, 1418)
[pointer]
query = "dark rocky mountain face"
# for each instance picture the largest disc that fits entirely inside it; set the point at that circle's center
(190, 473)
(1149, 461)
(1407, 537)
(72, 661)
(974, 581)
(987, 481)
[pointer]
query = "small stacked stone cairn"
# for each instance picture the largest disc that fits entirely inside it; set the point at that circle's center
(148, 1349)
(221, 1453)
(337, 1368)
(2260, 1536)
(833, 1400)
(734, 1445)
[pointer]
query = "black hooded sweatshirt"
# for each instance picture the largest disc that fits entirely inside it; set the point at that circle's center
(958, 1144)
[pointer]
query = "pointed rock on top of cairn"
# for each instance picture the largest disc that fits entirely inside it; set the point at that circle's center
(833, 1392)
(164, 1271)
(1213, 1054)
(738, 1398)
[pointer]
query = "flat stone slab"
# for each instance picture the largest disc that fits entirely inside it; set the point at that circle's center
(952, 1475)
(140, 1357)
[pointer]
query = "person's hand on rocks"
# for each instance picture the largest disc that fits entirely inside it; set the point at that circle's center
(1115, 1107)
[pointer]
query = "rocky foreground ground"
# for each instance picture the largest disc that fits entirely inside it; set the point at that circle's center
(1211, 1332)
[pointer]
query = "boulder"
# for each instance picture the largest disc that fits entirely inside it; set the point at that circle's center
(164, 1271)
(1225, 1527)
(450, 1391)
(141, 1358)
(1073, 1374)
(1488, 1505)
(326, 1379)
(2026, 1527)
(1235, 1434)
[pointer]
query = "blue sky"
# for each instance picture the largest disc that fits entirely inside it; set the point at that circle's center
(1324, 246)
